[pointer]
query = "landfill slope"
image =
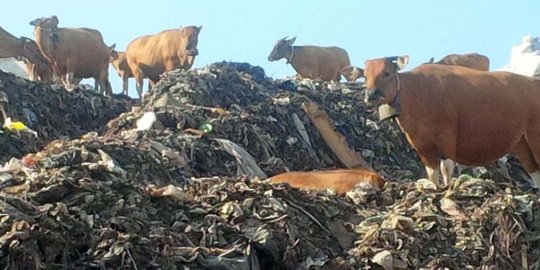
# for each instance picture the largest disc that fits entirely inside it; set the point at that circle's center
(182, 195)
(53, 113)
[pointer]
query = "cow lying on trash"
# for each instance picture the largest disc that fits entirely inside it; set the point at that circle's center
(451, 112)
(340, 180)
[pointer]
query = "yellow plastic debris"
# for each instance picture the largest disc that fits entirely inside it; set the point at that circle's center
(17, 126)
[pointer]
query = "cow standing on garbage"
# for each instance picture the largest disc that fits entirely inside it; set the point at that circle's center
(451, 112)
(151, 55)
(311, 62)
(74, 52)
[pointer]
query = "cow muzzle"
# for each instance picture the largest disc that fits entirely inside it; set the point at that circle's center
(372, 96)
(193, 52)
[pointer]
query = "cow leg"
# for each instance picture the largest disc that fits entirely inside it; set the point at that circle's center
(125, 83)
(69, 81)
(447, 170)
(432, 168)
(97, 87)
(433, 174)
(137, 74)
(528, 154)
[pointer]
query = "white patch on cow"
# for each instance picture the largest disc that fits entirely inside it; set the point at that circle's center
(447, 170)
(433, 175)
(536, 178)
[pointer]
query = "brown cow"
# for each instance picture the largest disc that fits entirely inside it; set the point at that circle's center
(339, 180)
(312, 62)
(11, 46)
(41, 70)
(25, 48)
(471, 60)
(119, 63)
(151, 55)
(74, 52)
(451, 112)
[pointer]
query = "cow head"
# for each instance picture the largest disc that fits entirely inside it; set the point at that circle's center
(32, 52)
(119, 62)
(382, 82)
(282, 49)
(46, 23)
(191, 35)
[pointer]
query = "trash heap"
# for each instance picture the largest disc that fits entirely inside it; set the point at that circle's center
(266, 117)
(53, 113)
(169, 197)
(472, 224)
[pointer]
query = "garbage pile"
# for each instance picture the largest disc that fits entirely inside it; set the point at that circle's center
(180, 184)
(52, 113)
(472, 224)
(266, 117)
(99, 203)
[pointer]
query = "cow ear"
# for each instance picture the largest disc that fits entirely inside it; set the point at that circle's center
(200, 27)
(431, 60)
(111, 48)
(291, 41)
(402, 61)
(54, 20)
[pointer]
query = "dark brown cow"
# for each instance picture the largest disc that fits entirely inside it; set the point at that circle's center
(339, 180)
(25, 48)
(11, 46)
(41, 70)
(313, 62)
(149, 56)
(469, 116)
(74, 52)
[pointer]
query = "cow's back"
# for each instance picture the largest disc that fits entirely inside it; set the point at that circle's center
(470, 106)
(470, 60)
(83, 46)
(327, 60)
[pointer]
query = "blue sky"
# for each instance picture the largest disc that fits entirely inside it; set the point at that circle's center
(246, 31)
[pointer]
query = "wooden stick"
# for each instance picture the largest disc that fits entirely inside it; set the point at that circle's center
(334, 140)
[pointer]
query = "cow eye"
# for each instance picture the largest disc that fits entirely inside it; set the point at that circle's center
(386, 74)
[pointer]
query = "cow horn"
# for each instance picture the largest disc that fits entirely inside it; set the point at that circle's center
(284, 38)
